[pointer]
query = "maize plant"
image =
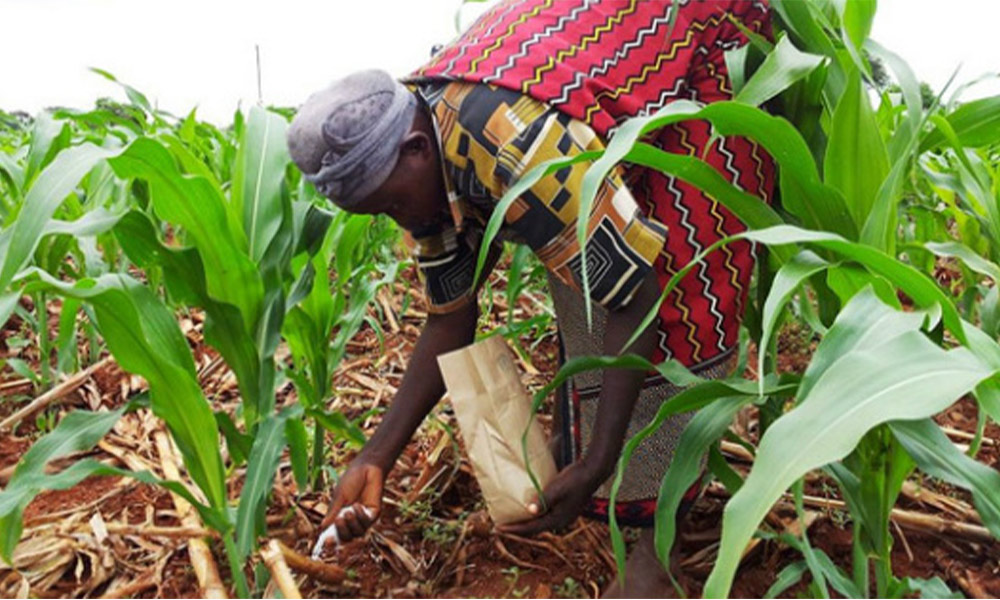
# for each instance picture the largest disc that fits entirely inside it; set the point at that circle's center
(214, 224)
(861, 411)
(349, 249)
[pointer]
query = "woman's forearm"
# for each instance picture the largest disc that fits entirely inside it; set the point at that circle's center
(422, 384)
(620, 387)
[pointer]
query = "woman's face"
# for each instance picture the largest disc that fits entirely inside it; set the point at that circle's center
(414, 194)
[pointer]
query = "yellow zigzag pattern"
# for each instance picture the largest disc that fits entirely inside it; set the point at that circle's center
(760, 169)
(608, 25)
(510, 31)
(631, 82)
(678, 296)
(723, 85)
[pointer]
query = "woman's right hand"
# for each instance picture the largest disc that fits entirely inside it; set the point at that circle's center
(360, 490)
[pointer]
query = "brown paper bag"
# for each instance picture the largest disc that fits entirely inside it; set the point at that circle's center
(493, 410)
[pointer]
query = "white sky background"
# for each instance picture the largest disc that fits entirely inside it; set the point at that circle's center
(187, 53)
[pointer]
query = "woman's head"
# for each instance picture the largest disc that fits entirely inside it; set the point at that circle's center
(368, 145)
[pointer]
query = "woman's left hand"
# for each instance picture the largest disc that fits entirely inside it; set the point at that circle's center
(565, 497)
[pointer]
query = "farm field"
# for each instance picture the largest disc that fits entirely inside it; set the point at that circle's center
(194, 343)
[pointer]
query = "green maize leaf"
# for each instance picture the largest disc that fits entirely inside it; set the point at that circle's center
(268, 444)
(968, 256)
(787, 577)
(756, 40)
(191, 164)
(237, 442)
(924, 291)
(185, 279)
(309, 322)
(988, 351)
(848, 280)
(699, 394)
(749, 208)
(798, 17)
(308, 347)
(880, 227)
(298, 451)
(337, 423)
(258, 178)
(302, 286)
(809, 26)
(192, 203)
(78, 431)
(353, 233)
(937, 456)
(864, 323)
(989, 312)
(144, 338)
(856, 161)
(95, 222)
(736, 66)
(907, 131)
(988, 396)
(905, 378)
(960, 90)
(856, 18)
(311, 225)
(974, 180)
(137, 98)
(704, 430)
(47, 192)
(976, 123)
(65, 342)
(784, 66)
(45, 144)
(13, 172)
(834, 574)
(274, 266)
(825, 209)
(934, 587)
(803, 194)
(788, 279)
(8, 302)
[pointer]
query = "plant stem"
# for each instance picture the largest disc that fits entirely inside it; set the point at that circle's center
(236, 566)
(316, 474)
(860, 561)
(977, 441)
(44, 344)
(883, 575)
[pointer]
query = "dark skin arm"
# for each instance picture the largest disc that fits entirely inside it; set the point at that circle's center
(568, 493)
(422, 385)
(421, 388)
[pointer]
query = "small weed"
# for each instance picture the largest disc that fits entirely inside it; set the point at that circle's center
(442, 533)
(569, 588)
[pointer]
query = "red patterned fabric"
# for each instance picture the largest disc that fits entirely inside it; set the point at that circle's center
(605, 61)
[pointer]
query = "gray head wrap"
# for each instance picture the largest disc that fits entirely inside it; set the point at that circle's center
(346, 138)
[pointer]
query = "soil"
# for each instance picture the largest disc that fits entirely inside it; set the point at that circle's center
(438, 542)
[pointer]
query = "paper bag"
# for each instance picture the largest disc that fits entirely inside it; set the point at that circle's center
(493, 410)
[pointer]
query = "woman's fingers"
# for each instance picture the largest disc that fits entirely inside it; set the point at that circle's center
(354, 522)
